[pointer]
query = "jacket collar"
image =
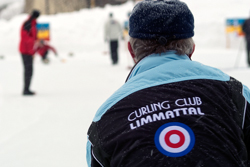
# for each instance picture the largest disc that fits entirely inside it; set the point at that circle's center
(154, 60)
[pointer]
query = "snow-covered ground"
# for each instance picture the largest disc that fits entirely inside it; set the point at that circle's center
(50, 128)
(10, 8)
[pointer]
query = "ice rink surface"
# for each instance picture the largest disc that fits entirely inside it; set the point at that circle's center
(49, 129)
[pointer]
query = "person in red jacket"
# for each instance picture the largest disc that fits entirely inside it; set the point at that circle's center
(26, 48)
(43, 49)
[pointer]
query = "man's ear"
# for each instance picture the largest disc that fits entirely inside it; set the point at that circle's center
(190, 55)
(131, 52)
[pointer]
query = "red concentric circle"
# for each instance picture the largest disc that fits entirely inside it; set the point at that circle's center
(171, 143)
(174, 139)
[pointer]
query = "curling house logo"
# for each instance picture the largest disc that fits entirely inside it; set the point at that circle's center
(174, 139)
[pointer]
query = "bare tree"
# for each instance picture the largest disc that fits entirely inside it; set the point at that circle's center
(47, 8)
(28, 6)
(54, 6)
(60, 6)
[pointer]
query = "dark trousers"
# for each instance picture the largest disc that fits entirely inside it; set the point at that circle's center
(248, 52)
(28, 70)
(113, 51)
(45, 55)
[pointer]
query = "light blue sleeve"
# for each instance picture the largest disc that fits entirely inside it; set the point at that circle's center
(88, 153)
(246, 93)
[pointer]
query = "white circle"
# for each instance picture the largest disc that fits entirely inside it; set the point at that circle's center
(170, 149)
(174, 138)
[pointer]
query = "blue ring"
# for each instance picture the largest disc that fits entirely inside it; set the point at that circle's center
(170, 154)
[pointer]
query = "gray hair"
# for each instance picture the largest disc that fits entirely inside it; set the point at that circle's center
(143, 48)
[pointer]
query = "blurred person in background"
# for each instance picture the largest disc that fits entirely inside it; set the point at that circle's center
(246, 30)
(27, 50)
(112, 34)
(43, 49)
(172, 111)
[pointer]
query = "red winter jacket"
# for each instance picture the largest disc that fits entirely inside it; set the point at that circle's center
(28, 39)
(42, 50)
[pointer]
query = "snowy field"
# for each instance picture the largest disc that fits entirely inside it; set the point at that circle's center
(49, 129)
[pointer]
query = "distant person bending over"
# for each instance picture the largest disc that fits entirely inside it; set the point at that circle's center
(43, 48)
(246, 30)
(112, 33)
(26, 48)
(172, 111)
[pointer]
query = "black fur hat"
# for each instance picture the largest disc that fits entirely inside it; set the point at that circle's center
(152, 19)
